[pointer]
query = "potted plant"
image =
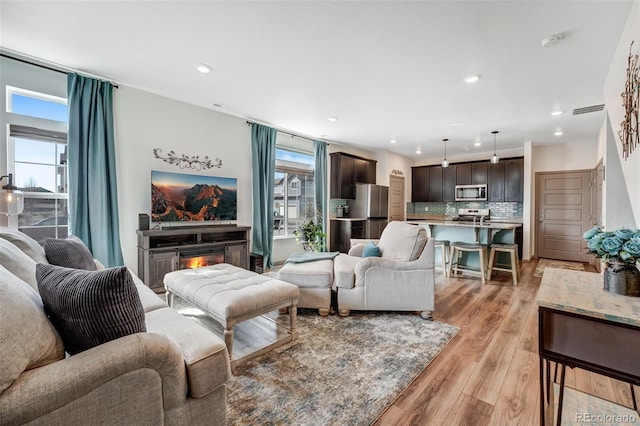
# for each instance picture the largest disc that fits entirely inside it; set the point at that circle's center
(620, 250)
(309, 232)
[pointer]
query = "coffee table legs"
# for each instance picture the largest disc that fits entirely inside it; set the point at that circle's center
(291, 336)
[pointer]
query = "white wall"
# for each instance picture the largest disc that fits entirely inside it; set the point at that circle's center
(144, 121)
(568, 156)
(551, 158)
(614, 86)
(620, 214)
(388, 161)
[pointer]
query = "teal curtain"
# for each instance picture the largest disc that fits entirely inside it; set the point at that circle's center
(93, 201)
(263, 160)
(320, 179)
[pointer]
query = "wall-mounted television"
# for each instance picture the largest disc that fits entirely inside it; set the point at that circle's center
(181, 197)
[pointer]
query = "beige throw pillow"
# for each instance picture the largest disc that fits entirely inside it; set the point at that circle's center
(27, 337)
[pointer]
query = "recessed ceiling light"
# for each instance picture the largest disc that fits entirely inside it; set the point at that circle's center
(393, 141)
(204, 68)
(472, 78)
(324, 136)
(556, 112)
(418, 150)
(332, 119)
(456, 124)
(477, 143)
(558, 133)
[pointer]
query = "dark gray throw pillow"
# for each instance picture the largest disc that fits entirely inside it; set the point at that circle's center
(70, 253)
(89, 308)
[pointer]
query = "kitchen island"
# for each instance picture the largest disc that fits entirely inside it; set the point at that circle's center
(447, 229)
(507, 231)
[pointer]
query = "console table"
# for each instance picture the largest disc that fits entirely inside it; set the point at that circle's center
(161, 251)
(581, 325)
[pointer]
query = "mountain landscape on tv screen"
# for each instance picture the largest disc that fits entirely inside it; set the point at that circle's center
(201, 202)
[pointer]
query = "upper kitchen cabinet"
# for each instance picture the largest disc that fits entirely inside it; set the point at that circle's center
(495, 185)
(449, 175)
(471, 173)
(513, 179)
(506, 180)
(435, 184)
(463, 174)
(479, 173)
(419, 184)
(346, 170)
(365, 171)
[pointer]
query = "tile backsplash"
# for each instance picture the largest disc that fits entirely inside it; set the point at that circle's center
(334, 203)
(498, 210)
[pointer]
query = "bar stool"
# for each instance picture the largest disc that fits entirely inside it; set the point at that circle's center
(443, 245)
(514, 266)
(454, 257)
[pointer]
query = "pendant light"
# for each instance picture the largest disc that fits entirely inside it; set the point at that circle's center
(445, 163)
(11, 200)
(495, 158)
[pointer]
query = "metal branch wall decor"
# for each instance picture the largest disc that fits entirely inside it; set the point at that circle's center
(185, 161)
(630, 127)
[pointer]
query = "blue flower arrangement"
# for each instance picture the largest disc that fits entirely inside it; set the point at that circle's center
(622, 245)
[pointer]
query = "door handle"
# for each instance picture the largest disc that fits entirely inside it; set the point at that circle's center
(541, 217)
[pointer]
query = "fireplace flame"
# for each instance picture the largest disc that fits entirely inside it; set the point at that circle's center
(196, 262)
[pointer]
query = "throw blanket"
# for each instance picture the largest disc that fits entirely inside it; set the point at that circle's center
(310, 256)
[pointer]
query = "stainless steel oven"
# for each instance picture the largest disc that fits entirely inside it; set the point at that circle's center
(471, 192)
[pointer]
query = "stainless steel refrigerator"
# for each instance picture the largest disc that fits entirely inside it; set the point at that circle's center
(372, 203)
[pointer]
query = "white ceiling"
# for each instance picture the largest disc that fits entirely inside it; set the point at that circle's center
(386, 69)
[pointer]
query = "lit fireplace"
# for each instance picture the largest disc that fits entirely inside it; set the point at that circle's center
(199, 260)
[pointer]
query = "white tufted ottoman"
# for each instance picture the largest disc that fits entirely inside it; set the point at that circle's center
(314, 279)
(230, 295)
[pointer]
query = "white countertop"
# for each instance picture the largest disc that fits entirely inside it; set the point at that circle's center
(348, 219)
(461, 224)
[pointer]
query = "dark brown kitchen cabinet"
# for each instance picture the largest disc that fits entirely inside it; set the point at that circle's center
(342, 231)
(419, 184)
(471, 173)
(435, 184)
(463, 174)
(346, 170)
(513, 179)
(479, 173)
(343, 176)
(495, 184)
(449, 183)
(365, 171)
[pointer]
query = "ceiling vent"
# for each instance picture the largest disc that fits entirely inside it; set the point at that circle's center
(586, 110)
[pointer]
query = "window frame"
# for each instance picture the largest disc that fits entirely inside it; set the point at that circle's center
(290, 167)
(45, 130)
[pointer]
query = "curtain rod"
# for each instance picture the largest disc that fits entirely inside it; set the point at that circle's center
(4, 55)
(287, 133)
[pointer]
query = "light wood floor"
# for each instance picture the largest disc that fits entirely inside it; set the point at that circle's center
(488, 373)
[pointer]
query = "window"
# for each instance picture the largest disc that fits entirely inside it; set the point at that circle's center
(34, 104)
(38, 160)
(294, 191)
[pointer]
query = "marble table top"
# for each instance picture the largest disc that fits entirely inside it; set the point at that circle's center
(582, 293)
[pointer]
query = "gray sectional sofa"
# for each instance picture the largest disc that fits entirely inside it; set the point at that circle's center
(174, 373)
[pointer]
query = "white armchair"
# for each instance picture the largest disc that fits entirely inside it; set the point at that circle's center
(401, 279)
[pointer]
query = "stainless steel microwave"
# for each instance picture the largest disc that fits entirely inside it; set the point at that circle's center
(471, 192)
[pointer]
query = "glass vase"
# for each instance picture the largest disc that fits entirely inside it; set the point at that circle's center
(622, 278)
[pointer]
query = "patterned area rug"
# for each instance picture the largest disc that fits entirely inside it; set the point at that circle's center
(339, 371)
(561, 264)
